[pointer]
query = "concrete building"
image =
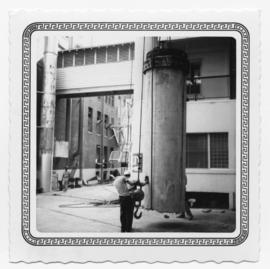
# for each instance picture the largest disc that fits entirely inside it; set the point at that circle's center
(92, 126)
(97, 144)
(210, 108)
(211, 121)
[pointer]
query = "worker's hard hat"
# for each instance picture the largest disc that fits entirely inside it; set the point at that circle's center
(127, 173)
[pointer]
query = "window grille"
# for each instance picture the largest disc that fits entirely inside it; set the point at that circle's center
(112, 54)
(200, 154)
(89, 56)
(196, 151)
(68, 58)
(123, 52)
(79, 57)
(219, 150)
(101, 55)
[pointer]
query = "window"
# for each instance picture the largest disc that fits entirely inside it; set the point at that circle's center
(112, 54)
(101, 55)
(197, 151)
(89, 56)
(219, 150)
(193, 84)
(207, 150)
(98, 122)
(60, 60)
(106, 120)
(98, 154)
(79, 57)
(112, 100)
(90, 119)
(124, 53)
(68, 59)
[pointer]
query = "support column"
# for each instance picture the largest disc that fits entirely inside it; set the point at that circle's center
(48, 113)
(164, 126)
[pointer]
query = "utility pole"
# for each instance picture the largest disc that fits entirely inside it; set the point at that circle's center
(48, 113)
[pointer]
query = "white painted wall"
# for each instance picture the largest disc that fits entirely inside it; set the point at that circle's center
(213, 116)
(110, 75)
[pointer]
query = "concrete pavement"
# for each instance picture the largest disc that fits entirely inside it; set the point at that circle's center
(94, 209)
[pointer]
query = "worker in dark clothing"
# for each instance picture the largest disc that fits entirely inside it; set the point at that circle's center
(126, 202)
(187, 207)
(96, 177)
(65, 179)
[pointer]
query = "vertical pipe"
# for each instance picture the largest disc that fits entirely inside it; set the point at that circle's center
(48, 113)
(69, 127)
(151, 139)
(102, 138)
(68, 118)
(81, 120)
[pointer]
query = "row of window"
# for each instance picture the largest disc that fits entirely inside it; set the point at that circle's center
(204, 150)
(108, 99)
(207, 150)
(107, 123)
(99, 55)
(106, 154)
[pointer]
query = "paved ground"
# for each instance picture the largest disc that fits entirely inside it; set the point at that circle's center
(92, 209)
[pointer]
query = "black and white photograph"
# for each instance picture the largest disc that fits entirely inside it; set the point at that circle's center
(164, 155)
(138, 137)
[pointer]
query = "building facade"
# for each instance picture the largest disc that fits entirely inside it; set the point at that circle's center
(211, 121)
(93, 126)
(210, 111)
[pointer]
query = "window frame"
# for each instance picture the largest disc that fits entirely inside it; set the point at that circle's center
(92, 113)
(98, 125)
(192, 79)
(208, 140)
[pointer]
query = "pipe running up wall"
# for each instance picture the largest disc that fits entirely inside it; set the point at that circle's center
(163, 116)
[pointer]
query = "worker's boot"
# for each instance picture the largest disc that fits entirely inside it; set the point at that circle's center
(181, 216)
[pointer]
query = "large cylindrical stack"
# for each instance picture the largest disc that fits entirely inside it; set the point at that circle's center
(163, 127)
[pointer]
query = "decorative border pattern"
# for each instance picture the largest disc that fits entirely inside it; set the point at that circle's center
(134, 26)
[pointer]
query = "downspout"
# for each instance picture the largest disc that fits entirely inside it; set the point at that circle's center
(80, 136)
